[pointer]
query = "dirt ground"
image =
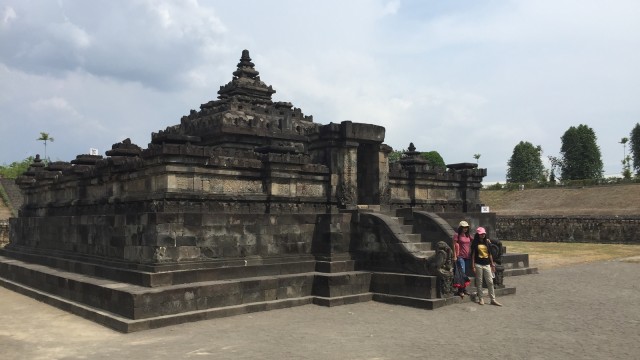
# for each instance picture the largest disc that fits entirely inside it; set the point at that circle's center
(586, 311)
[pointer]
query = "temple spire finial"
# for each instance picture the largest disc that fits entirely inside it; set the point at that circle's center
(246, 83)
(246, 67)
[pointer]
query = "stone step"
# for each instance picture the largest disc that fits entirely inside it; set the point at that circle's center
(407, 285)
(109, 302)
(429, 304)
(375, 208)
(187, 273)
(335, 266)
(261, 295)
(408, 229)
(421, 246)
(125, 325)
(342, 300)
(341, 284)
(414, 238)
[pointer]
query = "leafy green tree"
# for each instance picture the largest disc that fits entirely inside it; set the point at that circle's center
(635, 148)
(434, 158)
(44, 137)
(477, 157)
(396, 155)
(525, 164)
(581, 158)
(16, 168)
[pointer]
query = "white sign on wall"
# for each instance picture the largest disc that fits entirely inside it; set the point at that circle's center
(93, 151)
(484, 209)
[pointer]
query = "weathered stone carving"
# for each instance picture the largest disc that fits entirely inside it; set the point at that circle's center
(442, 265)
(346, 194)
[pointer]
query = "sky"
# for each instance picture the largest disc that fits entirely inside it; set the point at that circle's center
(457, 77)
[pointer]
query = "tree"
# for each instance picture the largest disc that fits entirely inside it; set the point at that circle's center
(626, 166)
(635, 148)
(556, 163)
(477, 157)
(581, 158)
(16, 168)
(525, 164)
(434, 158)
(624, 141)
(396, 155)
(44, 137)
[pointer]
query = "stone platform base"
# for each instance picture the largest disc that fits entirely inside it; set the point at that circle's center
(128, 307)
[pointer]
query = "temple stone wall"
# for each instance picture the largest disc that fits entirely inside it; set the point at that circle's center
(587, 229)
(4, 233)
(435, 191)
(170, 236)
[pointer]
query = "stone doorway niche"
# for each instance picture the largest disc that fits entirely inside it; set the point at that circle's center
(368, 174)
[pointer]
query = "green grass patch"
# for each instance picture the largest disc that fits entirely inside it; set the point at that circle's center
(546, 255)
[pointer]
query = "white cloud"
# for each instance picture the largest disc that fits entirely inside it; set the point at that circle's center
(7, 16)
(390, 8)
(70, 34)
(55, 104)
(460, 77)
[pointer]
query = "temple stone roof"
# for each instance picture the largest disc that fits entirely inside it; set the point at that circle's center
(244, 115)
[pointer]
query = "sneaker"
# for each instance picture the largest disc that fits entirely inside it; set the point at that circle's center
(461, 294)
(480, 302)
(493, 302)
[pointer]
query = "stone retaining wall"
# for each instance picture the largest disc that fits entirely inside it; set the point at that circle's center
(586, 229)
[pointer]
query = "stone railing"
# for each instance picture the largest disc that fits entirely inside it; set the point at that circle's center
(585, 229)
(4, 233)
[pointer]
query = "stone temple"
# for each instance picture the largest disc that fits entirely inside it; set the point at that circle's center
(245, 205)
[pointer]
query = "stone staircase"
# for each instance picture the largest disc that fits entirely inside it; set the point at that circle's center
(415, 290)
(515, 264)
(415, 242)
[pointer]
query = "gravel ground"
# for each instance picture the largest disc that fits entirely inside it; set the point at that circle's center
(587, 311)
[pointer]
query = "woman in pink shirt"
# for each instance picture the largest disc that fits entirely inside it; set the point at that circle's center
(462, 252)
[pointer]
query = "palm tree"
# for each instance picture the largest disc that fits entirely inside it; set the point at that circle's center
(44, 137)
(624, 141)
(477, 157)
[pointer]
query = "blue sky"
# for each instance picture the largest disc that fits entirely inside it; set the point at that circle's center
(458, 77)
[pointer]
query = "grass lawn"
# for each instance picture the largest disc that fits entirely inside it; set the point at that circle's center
(547, 255)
